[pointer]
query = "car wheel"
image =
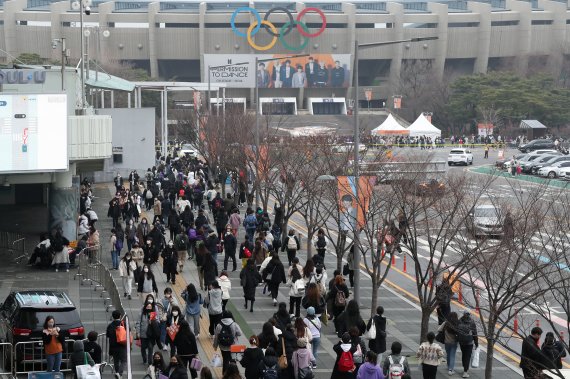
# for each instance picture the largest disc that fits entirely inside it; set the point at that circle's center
(551, 175)
(471, 162)
(449, 163)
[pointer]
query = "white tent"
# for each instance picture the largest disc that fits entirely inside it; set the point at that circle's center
(390, 127)
(422, 127)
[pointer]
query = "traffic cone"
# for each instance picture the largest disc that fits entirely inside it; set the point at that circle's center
(538, 323)
(516, 322)
(460, 296)
(393, 259)
(405, 264)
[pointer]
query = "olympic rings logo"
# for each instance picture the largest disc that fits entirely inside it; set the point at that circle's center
(283, 31)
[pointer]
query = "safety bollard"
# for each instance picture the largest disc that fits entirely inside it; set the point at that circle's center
(516, 322)
(460, 296)
(405, 264)
(562, 335)
(538, 323)
(393, 259)
(430, 282)
(383, 254)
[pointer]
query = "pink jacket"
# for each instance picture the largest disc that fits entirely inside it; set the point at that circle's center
(235, 220)
(302, 358)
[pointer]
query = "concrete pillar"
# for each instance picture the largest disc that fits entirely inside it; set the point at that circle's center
(106, 50)
(11, 9)
(153, 9)
(56, 10)
(63, 202)
(350, 11)
(559, 37)
(483, 35)
(397, 12)
(524, 11)
(441, 43)
(201, 39)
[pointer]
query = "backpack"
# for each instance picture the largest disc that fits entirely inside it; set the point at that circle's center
(345, 362)
(121, 334)
(192, 234)
(464, 333)
(266, 225)
(291, 243)
(339, 299)
(181, 243)
(250, 222)
(321, 243)
(299, 287)
(226, 337)
(396, 369)
(119, 244)
(269, 372)
(218, 203)
(357, 356)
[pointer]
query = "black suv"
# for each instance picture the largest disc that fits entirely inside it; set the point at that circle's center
(537, 144)
(22, 316)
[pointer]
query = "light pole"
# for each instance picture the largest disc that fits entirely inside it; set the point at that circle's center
(105, 34)
(82, 6)
(257, 110)
(356, 239)
(54, 44)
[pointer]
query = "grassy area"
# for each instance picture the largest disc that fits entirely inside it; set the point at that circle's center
(245, 328)
(489, 170)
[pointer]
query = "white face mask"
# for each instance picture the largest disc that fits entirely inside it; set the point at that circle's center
(150, 301)
(175, 313)
(170, 245)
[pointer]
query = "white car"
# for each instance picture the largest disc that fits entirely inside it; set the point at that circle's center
(187, 150)
(556, 170)
(460, 156)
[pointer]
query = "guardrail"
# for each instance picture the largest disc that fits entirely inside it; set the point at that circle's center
(6, 352)
(30, 357)
(15, 243)
(97, 275)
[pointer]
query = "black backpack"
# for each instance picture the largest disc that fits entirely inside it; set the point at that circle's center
(270, 372)
(464, 336)
(226, 337)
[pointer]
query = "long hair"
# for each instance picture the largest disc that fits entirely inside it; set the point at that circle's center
(300, 327)
(352, 314)
(313, 293)
(192, 293)
(309, 268)
(295, 274)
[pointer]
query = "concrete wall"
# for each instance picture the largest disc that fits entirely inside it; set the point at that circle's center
(133, 130)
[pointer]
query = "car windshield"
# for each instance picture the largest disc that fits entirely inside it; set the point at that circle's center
(486, 212)
(34, 318)
(187, 147)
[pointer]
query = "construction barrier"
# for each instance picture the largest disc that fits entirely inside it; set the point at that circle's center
(30, 357)
(6, 358)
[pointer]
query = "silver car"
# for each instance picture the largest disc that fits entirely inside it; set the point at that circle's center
(485, 220)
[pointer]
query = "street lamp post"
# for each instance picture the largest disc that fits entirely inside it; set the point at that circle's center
(356, 237)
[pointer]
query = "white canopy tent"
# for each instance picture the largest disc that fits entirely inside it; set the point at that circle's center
(390, 127)
(422, 127)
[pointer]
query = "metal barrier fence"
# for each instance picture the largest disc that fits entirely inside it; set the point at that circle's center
(93, 272)
(15, 243)
(5, 358)
(30, 357)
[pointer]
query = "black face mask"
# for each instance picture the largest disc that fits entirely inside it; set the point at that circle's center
(157, 362)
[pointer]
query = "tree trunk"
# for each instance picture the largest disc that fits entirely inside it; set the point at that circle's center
(310, 235)
(223, 184)
(489, 360)
(375, 288)
(426, 313)
(284, 231)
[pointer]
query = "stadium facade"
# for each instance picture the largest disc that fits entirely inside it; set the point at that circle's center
(180, 39)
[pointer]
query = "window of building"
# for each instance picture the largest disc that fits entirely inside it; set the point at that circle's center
(541, 22)
(163, 25)
(505, 23)
(376, 25)
(463, 25)
(428, 25)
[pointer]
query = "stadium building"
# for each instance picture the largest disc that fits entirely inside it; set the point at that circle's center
(179, 40)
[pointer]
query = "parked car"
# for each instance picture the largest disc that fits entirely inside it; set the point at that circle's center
(460, 156)
(554, 170)
(485, 220)
(536, 145)
(527, 167)
(22, 316)
(506, 162)
(549, 162)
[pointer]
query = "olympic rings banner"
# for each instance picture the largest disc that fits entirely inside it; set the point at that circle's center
(279, 71)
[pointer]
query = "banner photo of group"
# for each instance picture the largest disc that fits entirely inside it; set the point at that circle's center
(353, 211)
(315, 70)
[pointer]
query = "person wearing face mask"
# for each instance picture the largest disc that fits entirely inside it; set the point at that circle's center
(150, 250)
(127, 268)
(146, 283)
(170, 263)
(138, 256)
(173, 326)
(54, 343)
(167, 302)
(158, 366)
(186, 347)
(176, 369)
(143, 230)
(130, 234)
(149, 330)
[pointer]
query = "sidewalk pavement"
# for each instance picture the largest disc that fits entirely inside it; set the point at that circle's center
(403, 315)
